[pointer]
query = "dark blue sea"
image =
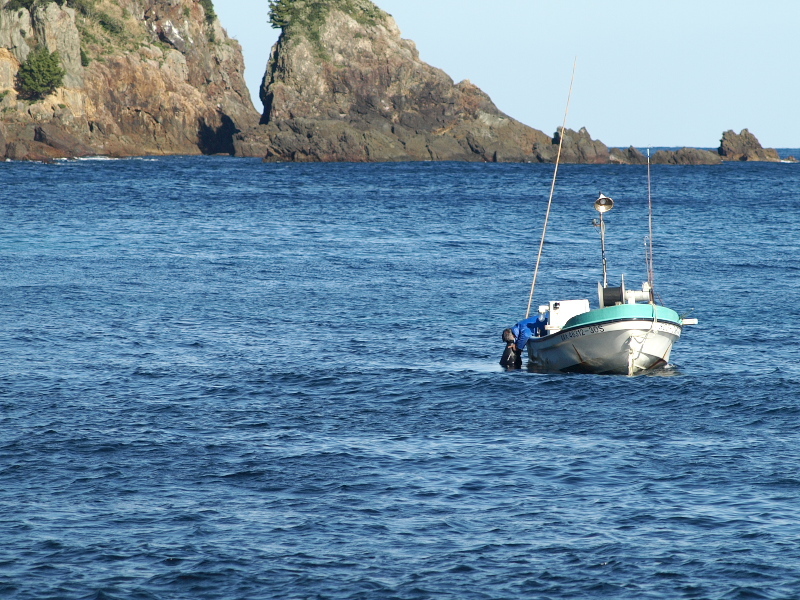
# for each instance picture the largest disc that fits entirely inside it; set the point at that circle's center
(223, 379)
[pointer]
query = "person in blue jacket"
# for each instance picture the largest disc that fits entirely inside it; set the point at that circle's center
(518, 336)
(539, 326)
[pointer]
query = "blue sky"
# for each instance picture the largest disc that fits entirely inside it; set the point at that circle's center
(649, 73)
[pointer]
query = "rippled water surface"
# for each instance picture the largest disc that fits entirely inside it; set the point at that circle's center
(226, 379)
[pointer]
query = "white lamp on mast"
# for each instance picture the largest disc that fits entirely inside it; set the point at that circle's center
(603, 204)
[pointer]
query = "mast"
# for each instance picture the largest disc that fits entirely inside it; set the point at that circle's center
(649, 257)
(552, 191)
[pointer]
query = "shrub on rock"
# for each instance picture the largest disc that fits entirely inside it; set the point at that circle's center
(41, 74)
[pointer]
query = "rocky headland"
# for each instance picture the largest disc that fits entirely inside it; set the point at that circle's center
(343, 85)
(150, 77)
(140, 77)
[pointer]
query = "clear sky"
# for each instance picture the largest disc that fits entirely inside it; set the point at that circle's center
(649, 72)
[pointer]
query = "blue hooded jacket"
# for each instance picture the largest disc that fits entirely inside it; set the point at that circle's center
(528, 328)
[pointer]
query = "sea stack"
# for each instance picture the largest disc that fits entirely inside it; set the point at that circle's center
(343, 85)
(744, 146)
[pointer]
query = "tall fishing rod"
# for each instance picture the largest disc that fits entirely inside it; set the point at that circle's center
(552, 190)
(649, 257)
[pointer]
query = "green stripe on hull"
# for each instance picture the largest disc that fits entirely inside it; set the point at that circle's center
(623, 312)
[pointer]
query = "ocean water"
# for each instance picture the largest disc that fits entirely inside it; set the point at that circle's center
(223, 379)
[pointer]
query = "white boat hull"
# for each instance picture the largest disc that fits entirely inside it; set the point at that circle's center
(624, 347)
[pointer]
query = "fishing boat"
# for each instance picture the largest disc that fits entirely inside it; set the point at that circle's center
(628, 334)
(625, 339)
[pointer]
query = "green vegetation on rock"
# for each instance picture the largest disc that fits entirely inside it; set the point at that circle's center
(208, 6)
(83, 7)
(29, 4)
(306, 17)
(41, 74)
(110, 24)
(105, 28)
(18, 4)
(309, 15)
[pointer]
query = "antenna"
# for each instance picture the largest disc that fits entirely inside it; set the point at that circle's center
(552, 189)
(649, 259)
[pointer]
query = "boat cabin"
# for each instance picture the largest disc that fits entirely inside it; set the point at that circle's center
(562, 311)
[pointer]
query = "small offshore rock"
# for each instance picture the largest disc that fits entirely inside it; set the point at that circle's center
(686, 156)
(630, 156)
(744, 146)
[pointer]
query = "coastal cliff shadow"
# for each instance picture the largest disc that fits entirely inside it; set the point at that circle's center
(217, 140)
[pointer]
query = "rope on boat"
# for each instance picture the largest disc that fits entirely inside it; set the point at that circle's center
(631, 359)
(552, 190)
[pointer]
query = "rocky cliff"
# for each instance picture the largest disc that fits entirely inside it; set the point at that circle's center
(343, 85)
(140, 77)
(162, 77)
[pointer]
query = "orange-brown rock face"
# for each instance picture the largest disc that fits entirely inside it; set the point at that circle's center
(142, 77)
(347, 87)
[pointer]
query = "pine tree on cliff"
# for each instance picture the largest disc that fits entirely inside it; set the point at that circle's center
(309, 14)
(41, 74)
(279, 13)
